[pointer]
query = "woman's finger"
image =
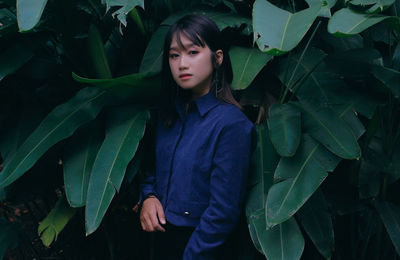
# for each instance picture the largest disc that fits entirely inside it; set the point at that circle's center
(160, 213)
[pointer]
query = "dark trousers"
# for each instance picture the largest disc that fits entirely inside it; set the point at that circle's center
(170, 245)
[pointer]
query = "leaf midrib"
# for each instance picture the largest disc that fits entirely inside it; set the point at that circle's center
(54, 129)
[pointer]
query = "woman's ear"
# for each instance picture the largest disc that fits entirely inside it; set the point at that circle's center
(219, 57)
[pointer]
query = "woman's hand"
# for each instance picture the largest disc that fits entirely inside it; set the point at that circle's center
(151, 215)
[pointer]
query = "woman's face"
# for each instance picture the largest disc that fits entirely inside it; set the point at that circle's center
(191, 66)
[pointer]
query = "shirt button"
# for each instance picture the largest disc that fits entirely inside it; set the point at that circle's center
(186, 213)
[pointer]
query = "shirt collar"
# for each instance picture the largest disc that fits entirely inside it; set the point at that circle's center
(204, 104)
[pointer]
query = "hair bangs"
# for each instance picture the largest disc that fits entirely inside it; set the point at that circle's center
(191, 35)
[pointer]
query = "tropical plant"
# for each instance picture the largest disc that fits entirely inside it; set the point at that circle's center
(79, 81)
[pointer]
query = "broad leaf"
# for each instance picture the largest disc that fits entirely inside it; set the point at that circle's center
(9, 233)
(346, 22)
(13, 58)
(126, 7)
(348, 115)
(390, 215)
(282, 242)
(264, 162)
(59, 124)
(125, 131)
(54, 223)
(326, 6)
(152, 59)
(29, 13)
(97, 54)
(277, 31)
(377, 5)
(80, 154)
(134, 87)
(389, 77)
(284, 128)
(316, 220)
(246, 64)
(301, 174)
(326, 127)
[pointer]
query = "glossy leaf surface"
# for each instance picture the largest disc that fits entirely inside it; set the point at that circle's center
(327, 128)
(97, 53)
(125, 130)
(80, 154)
(246, 64)
(282, 242)
(301, 176)
(346, 22)
(277, 31)
(284, 128)
(134, 87)
(59, 124)
(29, 13)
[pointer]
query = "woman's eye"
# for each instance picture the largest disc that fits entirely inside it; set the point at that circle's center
(193, 52)
(173, 55)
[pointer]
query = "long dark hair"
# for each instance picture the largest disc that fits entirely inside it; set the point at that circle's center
(202, 31)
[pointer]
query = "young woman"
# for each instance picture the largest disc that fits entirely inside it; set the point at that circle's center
(203, 146)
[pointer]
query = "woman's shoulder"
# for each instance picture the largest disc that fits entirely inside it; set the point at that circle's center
(230, 115)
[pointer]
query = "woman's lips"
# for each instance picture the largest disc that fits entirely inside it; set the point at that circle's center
(185, 76)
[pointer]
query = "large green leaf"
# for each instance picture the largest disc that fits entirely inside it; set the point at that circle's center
(301, 174)
(396, 57)
(152, 59)
(264, 162)
(29, 13)
(282, 242)
(134, 87)
(389, 77)
(346, 22)
(125, 131)
(326, 6)
(97, 54)
(284, 128)
(9, 233)
(246, 64)
(316, 220)
(126, 7)
(390, 215)
(80, 154)
(13, 58)
(277, 31)
(54, 223)
(59, 124)
(324, 125)
(377, 5)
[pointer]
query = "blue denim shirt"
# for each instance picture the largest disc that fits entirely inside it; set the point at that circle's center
(202, 164)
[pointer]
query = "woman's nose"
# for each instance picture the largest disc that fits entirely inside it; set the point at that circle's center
(182, 63)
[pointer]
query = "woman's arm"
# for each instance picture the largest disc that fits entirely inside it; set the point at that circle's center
(227, 187)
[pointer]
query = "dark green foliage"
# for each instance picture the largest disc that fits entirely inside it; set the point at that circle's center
(77, 77)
